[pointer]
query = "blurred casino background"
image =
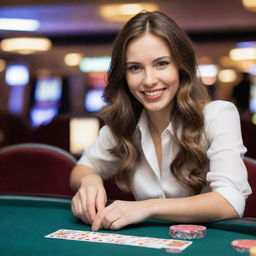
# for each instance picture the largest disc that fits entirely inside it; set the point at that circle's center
(54, 56)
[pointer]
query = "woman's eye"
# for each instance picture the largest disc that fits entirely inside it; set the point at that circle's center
(134, 68)
(162, 64)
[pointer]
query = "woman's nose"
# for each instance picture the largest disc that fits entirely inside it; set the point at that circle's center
(150, 77)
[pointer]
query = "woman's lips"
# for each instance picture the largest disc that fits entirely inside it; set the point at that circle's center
(153, 94)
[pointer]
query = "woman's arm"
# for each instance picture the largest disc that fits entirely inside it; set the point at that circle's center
(78, 173)
(91, 195)
(200, 208)
(86, 178)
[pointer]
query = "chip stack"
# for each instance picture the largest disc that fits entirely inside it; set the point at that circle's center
(243, 245)
(187, 231)
(253, 251)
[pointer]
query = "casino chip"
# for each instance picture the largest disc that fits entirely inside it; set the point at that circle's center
(187, 231)
(253, 251)
(243, 245)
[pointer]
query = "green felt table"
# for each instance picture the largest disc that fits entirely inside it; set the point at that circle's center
(24, 222)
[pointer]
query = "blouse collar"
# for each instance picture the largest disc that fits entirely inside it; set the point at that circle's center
(142, 125)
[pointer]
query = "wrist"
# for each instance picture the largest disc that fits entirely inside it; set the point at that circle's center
(160, 207)
(151, 207)
(91, 179)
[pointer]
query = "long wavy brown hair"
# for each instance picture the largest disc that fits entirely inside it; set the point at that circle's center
(123, 110)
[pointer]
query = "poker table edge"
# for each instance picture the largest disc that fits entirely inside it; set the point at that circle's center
(239, 225)
(30, 200)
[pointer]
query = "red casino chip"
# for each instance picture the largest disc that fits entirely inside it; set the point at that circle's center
(187, 231)
(243, 245)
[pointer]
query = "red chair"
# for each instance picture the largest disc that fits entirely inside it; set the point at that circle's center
(13, 130)
(250, 208)
(34, 168)
(55, 133)
(249, 137)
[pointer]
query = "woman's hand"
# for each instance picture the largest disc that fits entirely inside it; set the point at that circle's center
(90, 198)
(121, 213)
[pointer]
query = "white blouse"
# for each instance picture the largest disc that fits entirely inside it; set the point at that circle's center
(226, 172)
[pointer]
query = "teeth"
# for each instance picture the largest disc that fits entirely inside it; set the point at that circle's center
(152, 93)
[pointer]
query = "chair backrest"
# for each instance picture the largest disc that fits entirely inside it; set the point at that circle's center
(250, 208)
(35, 168)
(249, 137)
(13, 130)
(55, 133)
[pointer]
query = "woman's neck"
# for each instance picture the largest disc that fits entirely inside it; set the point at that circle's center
(158, 122)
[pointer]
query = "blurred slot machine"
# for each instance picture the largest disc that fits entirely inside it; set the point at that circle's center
(84, 130)
(95, 69)
(17, 77)
(46, 100)
(93, 99)
(252, 103)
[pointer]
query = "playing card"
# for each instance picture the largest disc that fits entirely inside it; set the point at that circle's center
(113, 238)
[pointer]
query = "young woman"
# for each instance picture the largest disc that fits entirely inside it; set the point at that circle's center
(164, 140)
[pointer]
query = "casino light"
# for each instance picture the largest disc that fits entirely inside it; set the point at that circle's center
(241, 65)
(208, 80)
(208, 73)
(245, 66)
(246, 44)
(252, 70)
(227, 75)
(2, 65)
(17, 75)
(252, 103)
(249, 4)
(93, 100)
(244, 51)
(98, 79)
(73, 59)
(83, 131)
(16, 100)
(95, 64)
(42, 115)
(25, 45)
(19, 24)
(207, 70)
(122, 12)
(226, 61)
(254, 118)
(248, 53)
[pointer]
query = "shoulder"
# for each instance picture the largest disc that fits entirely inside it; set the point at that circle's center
(105, 130)
(101, 144)
(106, 136)
(222, 117)
(218, 105)
(219, 108)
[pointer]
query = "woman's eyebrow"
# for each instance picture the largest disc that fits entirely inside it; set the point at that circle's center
(132, 62)
(155, 60)
(163, 57)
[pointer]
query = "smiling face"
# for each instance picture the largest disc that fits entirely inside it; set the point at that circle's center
(151, 74)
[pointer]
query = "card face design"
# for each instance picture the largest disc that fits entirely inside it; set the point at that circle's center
(112, 238)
